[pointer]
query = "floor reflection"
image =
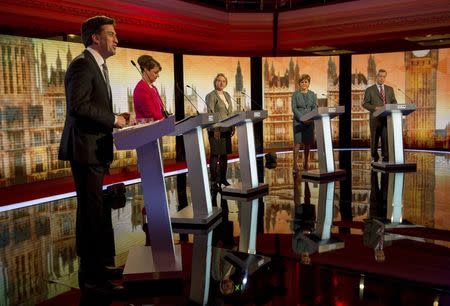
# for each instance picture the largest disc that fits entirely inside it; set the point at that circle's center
(313, 234)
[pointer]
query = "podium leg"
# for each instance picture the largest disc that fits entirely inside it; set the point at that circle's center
(395, 197)
(248, 223)
(201, 268)
(324, 144)
(325, 210)
(395, 137)
(155, 201)
(198, 173)
(247, 155)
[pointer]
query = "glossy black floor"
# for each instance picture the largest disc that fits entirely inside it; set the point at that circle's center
(314, 246)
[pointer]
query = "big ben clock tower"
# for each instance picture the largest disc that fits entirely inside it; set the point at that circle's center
(420, 87)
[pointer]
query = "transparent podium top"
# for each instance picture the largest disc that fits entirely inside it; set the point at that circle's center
(331, 111)
(387, 109)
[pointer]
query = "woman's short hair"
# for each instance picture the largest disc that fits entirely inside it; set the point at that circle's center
(304, 77)
(148, 62)
(220, 75)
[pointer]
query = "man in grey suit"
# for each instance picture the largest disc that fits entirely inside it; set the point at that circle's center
(377, 96)
(87, 143)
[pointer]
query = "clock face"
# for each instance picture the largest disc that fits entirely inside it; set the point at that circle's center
(420, 53)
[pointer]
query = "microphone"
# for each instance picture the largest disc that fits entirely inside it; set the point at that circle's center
(179, 90)
(257, 104)
(404, 93)
(207, 106)
(166, 113)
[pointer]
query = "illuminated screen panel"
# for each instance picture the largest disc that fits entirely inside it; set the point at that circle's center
(199, 74)
(419, 77)
(280, 77)
(33, 105)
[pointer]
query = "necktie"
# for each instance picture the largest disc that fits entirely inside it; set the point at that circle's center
(383, 97)
(106, 74)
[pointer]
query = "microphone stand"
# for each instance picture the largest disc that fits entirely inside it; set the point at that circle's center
(179, 90)
(257, 104)
(404, 93)
(207, 106)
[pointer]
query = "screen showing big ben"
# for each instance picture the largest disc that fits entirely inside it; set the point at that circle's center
(417, 77)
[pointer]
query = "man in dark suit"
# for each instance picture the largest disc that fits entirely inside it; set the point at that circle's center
(87, 143)
(377, 96)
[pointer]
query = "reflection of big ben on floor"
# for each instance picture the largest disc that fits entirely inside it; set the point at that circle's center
(420, 86)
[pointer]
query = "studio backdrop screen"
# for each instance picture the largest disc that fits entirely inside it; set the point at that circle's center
(33, 104)
(199, 75)
(418, 77)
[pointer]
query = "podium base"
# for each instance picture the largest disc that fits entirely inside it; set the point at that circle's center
(317, 175)
(186, 216)
(140, 266)
(237, 190)
(330, 245)
(386, 166)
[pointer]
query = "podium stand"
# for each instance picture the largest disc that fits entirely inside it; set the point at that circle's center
(322, 124)
(247, 155)
(394, 113)
(163, 258)
(201, 212)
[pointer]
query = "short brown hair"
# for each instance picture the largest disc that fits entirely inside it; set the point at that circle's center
(381, 71)
(148, 62)
(92, 26)
(217, 76)
(304, 77)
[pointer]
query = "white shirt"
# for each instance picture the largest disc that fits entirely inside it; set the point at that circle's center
(222, 97)
(380, 86)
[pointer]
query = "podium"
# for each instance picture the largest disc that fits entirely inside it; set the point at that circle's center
(394, 113)
(247, 155)
(163, 258)
(201, 212)
(322, 124)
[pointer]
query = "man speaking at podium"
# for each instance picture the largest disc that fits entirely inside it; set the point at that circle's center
(375, 97)
(87, 143)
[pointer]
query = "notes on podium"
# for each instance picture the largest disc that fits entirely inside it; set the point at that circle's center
(394, 114)
(201, 212)
(247, 154)
(163, 258)
(322, 124)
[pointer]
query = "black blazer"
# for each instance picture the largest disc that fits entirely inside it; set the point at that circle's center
(372, 98)
(87, 135)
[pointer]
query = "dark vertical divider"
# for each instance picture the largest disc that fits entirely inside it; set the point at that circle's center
(257, 98)
(179, 101)
(345, 98)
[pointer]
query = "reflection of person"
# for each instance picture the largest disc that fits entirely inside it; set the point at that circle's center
(219, 101)
(88, 144)
(303, 101)
(378, 196)
(375, 97)
(304, 241)
(147, 102)
(373, 237)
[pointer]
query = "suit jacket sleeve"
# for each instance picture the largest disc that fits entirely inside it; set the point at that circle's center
(392, 98)
(368, 100)
(211, 102)
(295, 109)
(79, 92)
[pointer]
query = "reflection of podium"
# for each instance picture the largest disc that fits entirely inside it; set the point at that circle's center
(320, 239)
(201, 211)
(247, 155)
(322, 124)
(394, 113)
(201, 261)
(163, 258)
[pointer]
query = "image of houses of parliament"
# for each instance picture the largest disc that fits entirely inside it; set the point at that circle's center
(33, 110)
(278, 92)
(420, 88)
(238, 101)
